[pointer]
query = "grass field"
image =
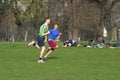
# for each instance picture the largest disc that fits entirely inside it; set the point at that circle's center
(19, 62)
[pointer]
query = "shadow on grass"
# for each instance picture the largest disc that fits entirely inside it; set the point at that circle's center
(53, 57)
(49, 58)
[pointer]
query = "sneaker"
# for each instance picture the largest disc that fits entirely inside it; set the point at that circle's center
(41, 61)
(31, 43)
(45, 59)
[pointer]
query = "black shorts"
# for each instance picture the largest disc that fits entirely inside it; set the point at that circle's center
(40, 41)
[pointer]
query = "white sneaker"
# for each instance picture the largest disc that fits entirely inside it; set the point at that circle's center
(31, 43)
(41, 61)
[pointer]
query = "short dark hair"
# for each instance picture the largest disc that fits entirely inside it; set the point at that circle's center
(45, 18)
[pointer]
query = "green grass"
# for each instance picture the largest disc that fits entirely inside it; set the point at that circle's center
(19, 62)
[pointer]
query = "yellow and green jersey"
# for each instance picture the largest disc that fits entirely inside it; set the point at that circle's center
(43, 28)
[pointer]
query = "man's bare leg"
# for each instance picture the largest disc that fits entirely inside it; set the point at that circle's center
(41, 54)
(32, 43)
(37, 46)
(48, 53)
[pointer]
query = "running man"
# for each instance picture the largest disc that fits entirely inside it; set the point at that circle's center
(54, 33)
(43, 31)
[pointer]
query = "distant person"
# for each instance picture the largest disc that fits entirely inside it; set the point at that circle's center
(43, 31)
(78, 39)
(104, 35)
(104, 32)
(54, 34)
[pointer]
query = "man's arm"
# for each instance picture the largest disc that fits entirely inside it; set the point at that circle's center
(59, 35)
(46, 32)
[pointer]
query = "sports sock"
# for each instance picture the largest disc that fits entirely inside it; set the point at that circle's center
(40, 58)
(34, 44)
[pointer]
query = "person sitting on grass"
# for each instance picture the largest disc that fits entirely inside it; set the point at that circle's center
(70, 43)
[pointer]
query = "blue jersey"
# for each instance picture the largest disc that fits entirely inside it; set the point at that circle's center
(53, 34)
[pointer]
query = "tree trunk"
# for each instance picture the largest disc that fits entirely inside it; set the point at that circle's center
(114, 34)
(26, 33)
(75, 27)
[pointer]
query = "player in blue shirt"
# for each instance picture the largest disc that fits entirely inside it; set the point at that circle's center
(54, 33)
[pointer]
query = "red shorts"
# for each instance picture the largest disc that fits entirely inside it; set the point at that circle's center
(52, 44)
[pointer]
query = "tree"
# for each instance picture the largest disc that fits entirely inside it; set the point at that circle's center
(26, 14)
(76, 18)
(106, 18)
